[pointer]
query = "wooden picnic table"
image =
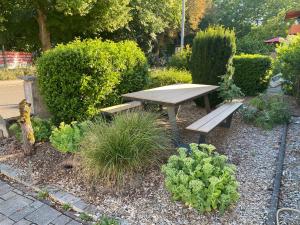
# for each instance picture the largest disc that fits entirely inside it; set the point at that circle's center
(173, 96)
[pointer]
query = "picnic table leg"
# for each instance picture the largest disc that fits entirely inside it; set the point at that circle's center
(172, 119)
(207, 105)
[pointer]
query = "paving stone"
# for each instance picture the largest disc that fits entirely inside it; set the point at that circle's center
(2, 217)
(8, 195)
(26, 211)
(23, 222)
(5, 188)
(18, 192)
(43, 215)
(13, 205)
(69, 198)
(73, 222)
(7, 221)
(61, 220)
(81, 205)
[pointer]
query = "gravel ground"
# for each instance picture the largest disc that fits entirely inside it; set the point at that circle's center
(146, 202)
(290, 187)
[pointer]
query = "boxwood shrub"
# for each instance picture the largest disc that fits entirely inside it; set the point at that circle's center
(252, 73)
(78, 78)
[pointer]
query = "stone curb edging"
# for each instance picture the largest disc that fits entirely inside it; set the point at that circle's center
(57, 195)
(277, 179)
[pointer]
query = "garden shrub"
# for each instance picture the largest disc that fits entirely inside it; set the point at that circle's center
(266, 111)
(181, 59)
(252, 73)
(130, 143)
(42, 129)
(202, 180)
(162, 77)
(212, 51)
(66, 138)
(78, 78)
(288, 63)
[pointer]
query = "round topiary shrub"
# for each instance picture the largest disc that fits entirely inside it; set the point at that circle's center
(78, 78)
(212, 52)
(252, 73)
(203, 180)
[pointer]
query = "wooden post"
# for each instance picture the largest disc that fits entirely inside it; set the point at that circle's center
(26, 127)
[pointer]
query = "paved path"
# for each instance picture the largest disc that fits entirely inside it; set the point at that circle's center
(16, 207)
(11, 93)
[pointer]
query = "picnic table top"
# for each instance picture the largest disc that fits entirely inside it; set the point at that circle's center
(172, 94)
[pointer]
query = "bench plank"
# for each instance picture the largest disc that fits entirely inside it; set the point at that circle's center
(121, 107)
(213, 119)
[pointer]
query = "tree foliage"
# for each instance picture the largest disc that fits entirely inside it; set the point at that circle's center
(60, 21)
(196, 10)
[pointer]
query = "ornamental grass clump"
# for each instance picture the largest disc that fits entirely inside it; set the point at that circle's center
(130, 143)
(202, 180)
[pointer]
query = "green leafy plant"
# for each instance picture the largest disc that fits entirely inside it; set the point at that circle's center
(203, 180)
(43, 194)
(66, 138)
(212, 51)
(66, 206)
(162, 77)
(42, 129)
(130, 143)
(252, 73)
(288, 63)
(266, 111)
(108, 221)
(181, 59)
(85, 217)
(78, 78)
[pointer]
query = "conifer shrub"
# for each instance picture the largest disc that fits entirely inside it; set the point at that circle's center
(212, 51)
(78, 78)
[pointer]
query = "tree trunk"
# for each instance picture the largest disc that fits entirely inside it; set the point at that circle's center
(44, 34)
(26, 127)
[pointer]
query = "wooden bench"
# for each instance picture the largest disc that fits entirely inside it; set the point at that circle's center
(220, 116)
(110, 111)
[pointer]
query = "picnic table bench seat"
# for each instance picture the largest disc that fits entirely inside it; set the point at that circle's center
(110, 111)
(220, 116)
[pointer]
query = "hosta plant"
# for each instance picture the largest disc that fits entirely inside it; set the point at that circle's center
(202, 179)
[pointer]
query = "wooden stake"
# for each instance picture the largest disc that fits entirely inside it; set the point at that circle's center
(26, 127)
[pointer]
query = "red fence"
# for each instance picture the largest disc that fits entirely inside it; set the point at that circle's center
(15, 59)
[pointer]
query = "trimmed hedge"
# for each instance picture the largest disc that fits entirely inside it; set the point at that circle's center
(252, 73)
(212, 52)
(78, 78)
(163, 77)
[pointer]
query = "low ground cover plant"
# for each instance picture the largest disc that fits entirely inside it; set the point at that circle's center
(252, 73)
(130, 143)
(202, 180)
(67, 137)
(41, 128)
(162, 77)
(266, 111)
(107, 221)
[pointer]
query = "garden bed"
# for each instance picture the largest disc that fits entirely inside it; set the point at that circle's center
(145, 200)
